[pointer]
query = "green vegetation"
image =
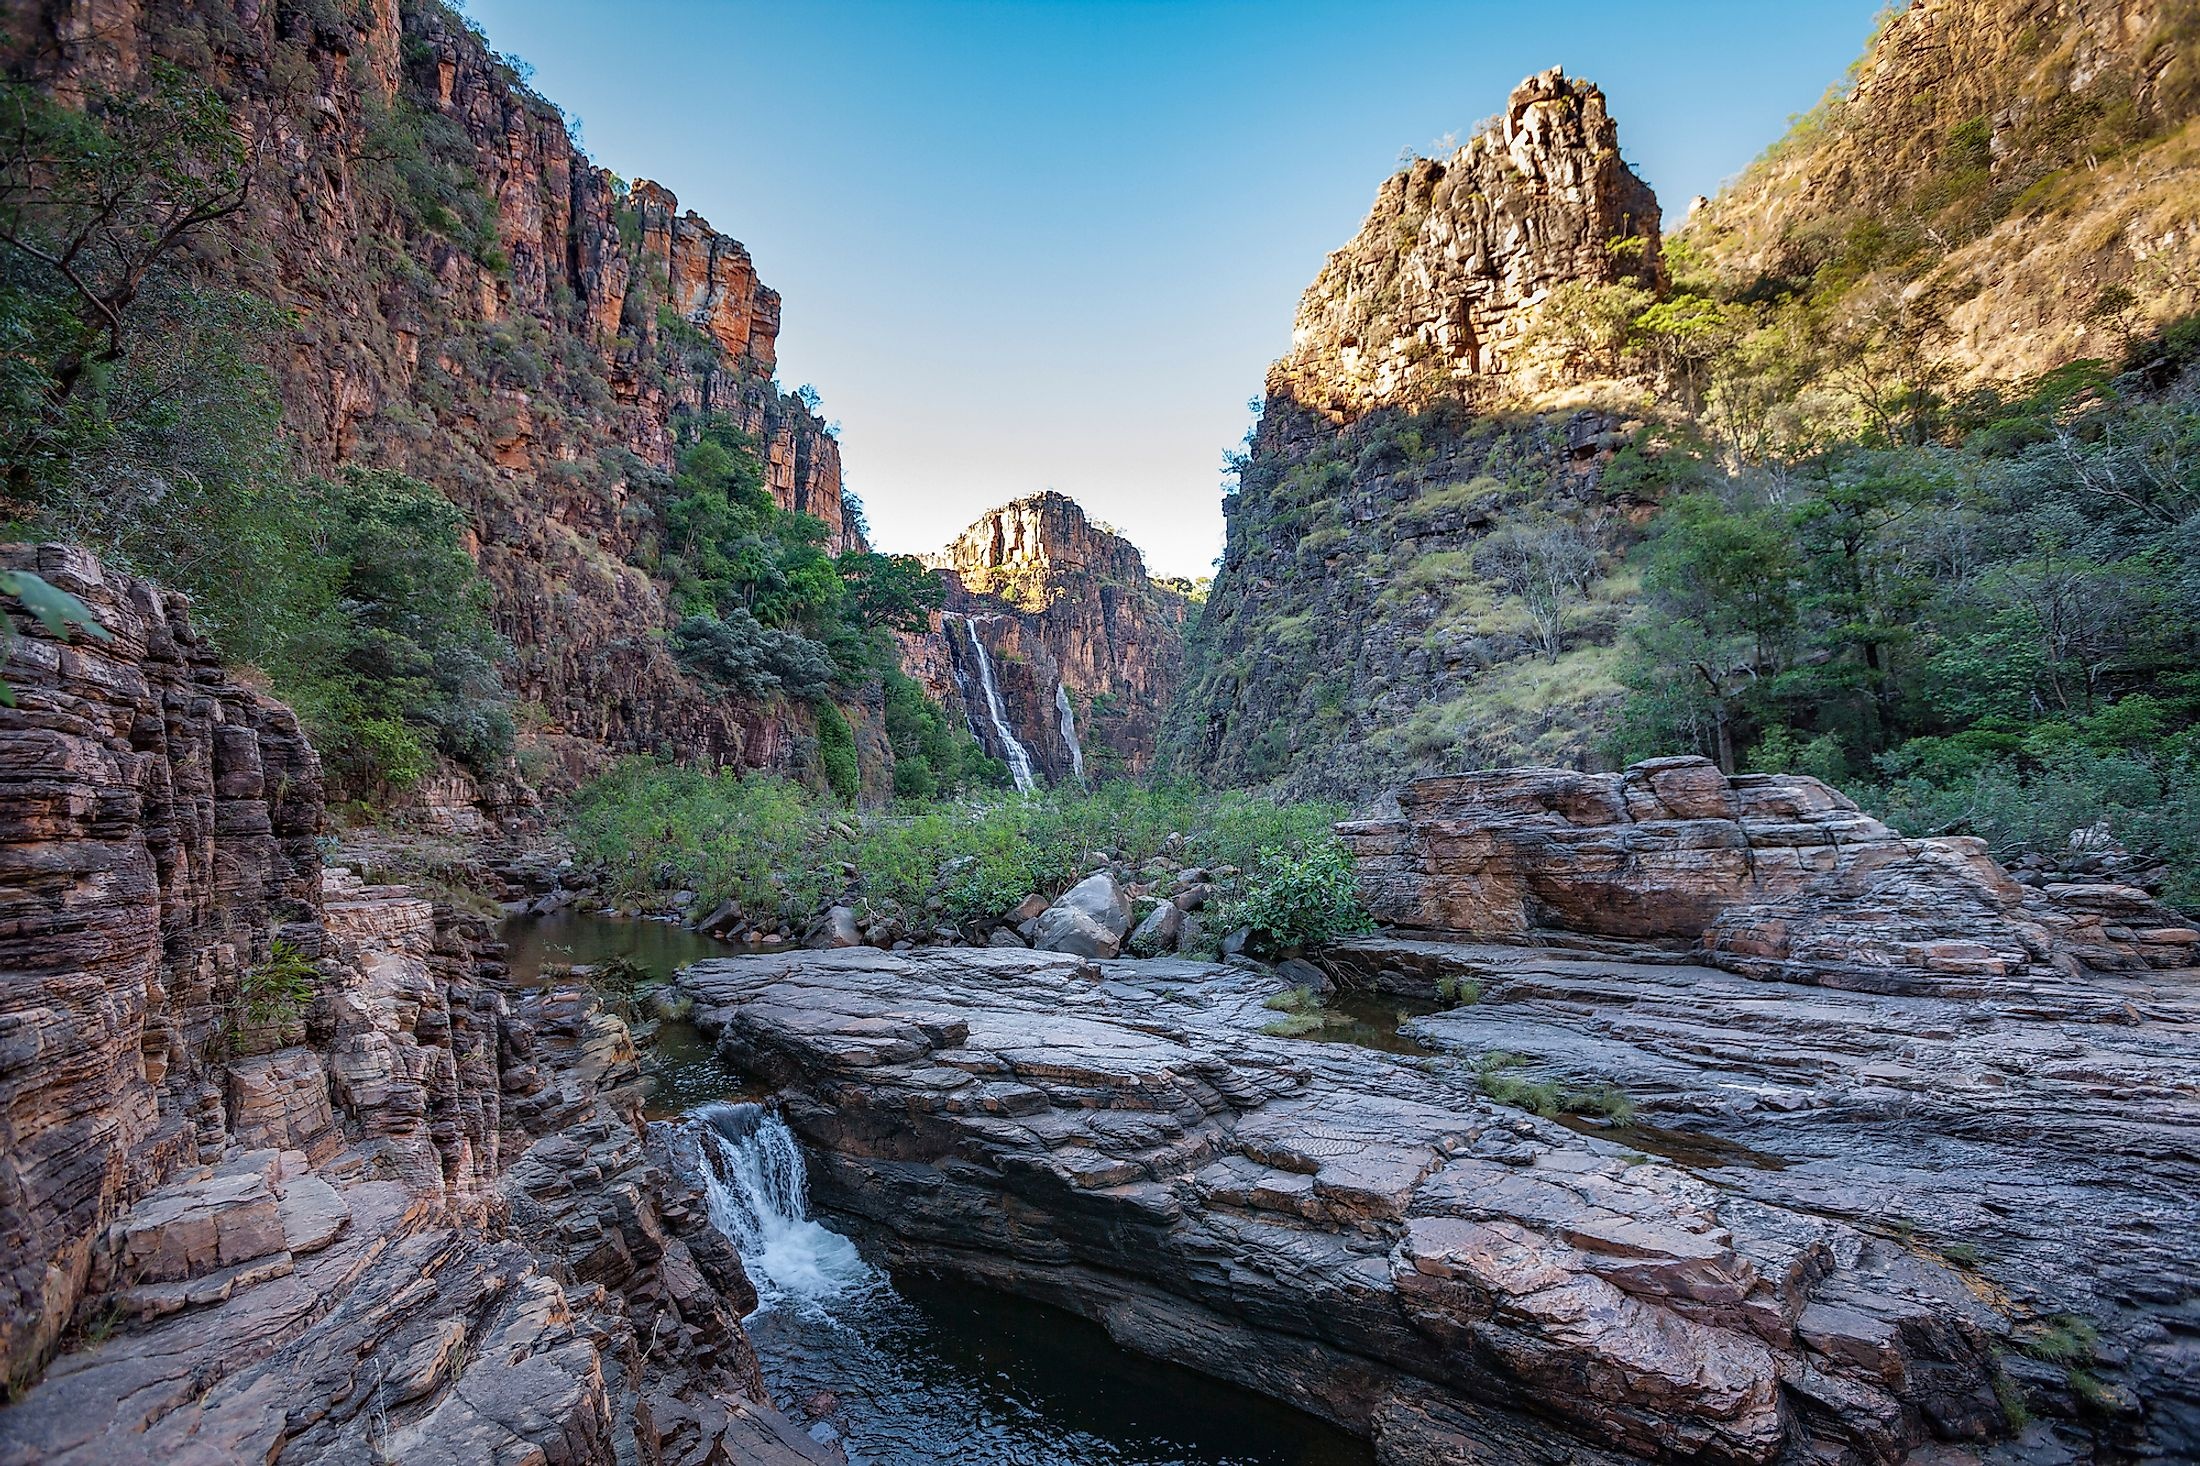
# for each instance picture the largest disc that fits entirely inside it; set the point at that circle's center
(1499, 1074)
(1303, 897)
(777, 849)
(280, 988)
(1981, 615)
(57, 610)
(136, 417)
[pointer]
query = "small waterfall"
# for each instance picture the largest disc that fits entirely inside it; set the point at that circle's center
(1069, 732)
(1019, 759)
(758, 1192)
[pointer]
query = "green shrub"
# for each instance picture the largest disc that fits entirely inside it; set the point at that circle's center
(1302, 898)
(836, 752)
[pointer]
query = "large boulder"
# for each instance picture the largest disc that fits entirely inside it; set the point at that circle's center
(1090, 919)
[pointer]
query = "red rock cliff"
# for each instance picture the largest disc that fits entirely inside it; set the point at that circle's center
(1084, 650)
(497, 316)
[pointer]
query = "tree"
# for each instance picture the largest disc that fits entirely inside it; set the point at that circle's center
(892, 591)
(1547, 562)
(94, 203)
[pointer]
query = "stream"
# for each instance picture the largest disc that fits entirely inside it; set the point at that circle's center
(905, 1369)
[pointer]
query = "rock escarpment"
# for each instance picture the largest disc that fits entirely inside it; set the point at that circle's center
(1082, 649)
(1432, 297)
(1358, 630)
(1364, 1236)
(285, 1165)
(497, 316)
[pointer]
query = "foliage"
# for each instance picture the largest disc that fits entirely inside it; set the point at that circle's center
(390, 656)
(1303, 898)
(836, 752)
(58, 611)
(1989, 629)
(778, 849)
(934, 755)
(279, 989)
(737, 651)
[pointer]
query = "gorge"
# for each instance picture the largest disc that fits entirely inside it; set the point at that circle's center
(1646, 913)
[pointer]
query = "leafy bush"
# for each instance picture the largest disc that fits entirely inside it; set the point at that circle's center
(1304, 897)
(738, 651)
(836, 752)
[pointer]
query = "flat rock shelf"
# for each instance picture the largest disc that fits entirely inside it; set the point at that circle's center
(1361, 1234)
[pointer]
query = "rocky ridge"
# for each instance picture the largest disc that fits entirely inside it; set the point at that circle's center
(1083, 648)
(1432, 297)
(285, 1164)
(2013, 174)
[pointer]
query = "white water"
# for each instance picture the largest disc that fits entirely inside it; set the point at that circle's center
(1069, 732)
(1019, 759)
(759, 1197)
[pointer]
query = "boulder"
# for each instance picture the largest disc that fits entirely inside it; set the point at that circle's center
(1090, 919)
(1158, 932)
(839, 929)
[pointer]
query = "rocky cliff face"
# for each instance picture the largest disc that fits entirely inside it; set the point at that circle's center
(2019, 173)
(481, 306)
(1432, 297)
(285, 1165)
(1371, 615)
(1080, 649)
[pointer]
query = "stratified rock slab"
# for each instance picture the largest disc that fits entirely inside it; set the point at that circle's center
(1359, 1234)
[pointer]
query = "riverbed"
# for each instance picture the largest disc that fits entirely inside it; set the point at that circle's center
(901, 1368)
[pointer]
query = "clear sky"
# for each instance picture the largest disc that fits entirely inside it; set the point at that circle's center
(1030, 244)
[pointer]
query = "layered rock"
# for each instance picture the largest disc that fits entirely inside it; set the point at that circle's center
(1351, 638)
(1082, 649)
(1365, 1236)
(1433, 295)
(1773, 876)
(285, 1167)
(506, 321)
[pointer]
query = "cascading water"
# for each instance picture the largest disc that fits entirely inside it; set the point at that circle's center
(921, 1371)
(759, 1197)
(1019, 758)
(1069, 732)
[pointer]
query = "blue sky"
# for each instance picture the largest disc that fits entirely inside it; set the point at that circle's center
(1031, 244)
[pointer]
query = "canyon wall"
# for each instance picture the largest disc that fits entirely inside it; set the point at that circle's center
(479, 305)
(1081, 648)
(286, 1166)
(1355, 630)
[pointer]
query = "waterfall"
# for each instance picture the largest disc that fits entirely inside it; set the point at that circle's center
(1069, 732)
(758, 1193)
(1019, 760)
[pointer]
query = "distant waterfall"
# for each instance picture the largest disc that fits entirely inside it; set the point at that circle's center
(1019, 758)
(1069, 732)
(758, 1193)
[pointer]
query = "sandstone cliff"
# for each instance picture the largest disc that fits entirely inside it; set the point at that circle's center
(2019, 173)
(1432, 297)
(1081, 648)
(286, 1167)
(481, 306)
(1358, 627)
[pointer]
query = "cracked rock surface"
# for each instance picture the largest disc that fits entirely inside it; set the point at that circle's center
(1358, 1233)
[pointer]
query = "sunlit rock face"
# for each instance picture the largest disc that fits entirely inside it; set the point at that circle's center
(1083, 648)
(1432, 296)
